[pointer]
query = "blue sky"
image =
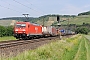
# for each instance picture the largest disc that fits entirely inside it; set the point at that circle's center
(36, 8)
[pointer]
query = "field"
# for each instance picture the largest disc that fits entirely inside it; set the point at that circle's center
(74, 48)
(7, 22)
(77, 20)
(7, 38)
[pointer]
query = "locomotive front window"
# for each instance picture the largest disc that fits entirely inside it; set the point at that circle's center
(20, 25)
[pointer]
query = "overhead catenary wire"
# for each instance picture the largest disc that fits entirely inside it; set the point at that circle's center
(11, 9)
(27, 7)
(20, 11)
(34, 6)
(12, 5)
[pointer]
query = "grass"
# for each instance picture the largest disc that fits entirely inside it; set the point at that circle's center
(74, 48)
(81, 53)
(77, 20)
(5, 22)
(7, 38)
(70, 53)
(87, 44)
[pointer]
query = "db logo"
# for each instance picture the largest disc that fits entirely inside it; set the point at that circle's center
(36, 29)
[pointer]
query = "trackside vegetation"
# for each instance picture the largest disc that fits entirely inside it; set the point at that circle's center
(6, 31)
(74, 48)
(6, 38)
(82, 30)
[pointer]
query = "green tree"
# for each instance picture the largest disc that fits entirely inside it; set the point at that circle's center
(9, 31)
(2, 31)
(6, 31)
(82, 30)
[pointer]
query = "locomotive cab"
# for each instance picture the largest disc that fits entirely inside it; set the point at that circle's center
(20, 30)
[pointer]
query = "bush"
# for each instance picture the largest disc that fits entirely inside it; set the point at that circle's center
(6, 31)
(82, 30)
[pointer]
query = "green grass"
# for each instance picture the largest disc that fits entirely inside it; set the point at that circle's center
(77, 20)
(7, 38)
(87, 41)
(74, 48)
(81, 53)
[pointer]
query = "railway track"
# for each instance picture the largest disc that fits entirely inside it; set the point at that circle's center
(12, 48)
(11, 43)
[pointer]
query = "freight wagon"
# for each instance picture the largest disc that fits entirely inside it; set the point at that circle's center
(66, 32)
(49, 31)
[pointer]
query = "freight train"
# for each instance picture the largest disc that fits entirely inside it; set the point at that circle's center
(66, 32)
(27, 30)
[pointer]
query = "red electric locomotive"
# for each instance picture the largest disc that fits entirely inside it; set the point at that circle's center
(27, 30)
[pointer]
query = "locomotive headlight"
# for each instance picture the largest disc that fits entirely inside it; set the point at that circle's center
(16, 30)
(24, 30)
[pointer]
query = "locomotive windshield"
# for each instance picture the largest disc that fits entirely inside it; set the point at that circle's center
(20, 25)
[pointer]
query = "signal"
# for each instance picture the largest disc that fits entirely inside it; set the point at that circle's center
(58, 19)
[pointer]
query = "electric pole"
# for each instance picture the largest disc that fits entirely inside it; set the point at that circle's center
(68, 23)
(43, 21)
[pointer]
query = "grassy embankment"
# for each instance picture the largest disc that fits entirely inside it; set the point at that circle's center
(75, 48)
(7, 38)
(77, 20)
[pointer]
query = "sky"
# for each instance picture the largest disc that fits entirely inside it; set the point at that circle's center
(37, 8)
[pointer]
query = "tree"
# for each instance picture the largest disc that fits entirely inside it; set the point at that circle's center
(2, 31)
(9, 31)
(82, 30)
(6, 31)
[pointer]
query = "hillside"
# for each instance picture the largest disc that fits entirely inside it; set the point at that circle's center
(48, 20)
(84, 13)
(7, 22)
(79, 20)
(39, 20)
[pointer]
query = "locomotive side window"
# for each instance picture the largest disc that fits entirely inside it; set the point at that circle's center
(28, 26)
(20, 25)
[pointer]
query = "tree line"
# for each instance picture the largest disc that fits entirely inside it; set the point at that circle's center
(6, 31)
(83, 29)
(34, 19)
(84, 13)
